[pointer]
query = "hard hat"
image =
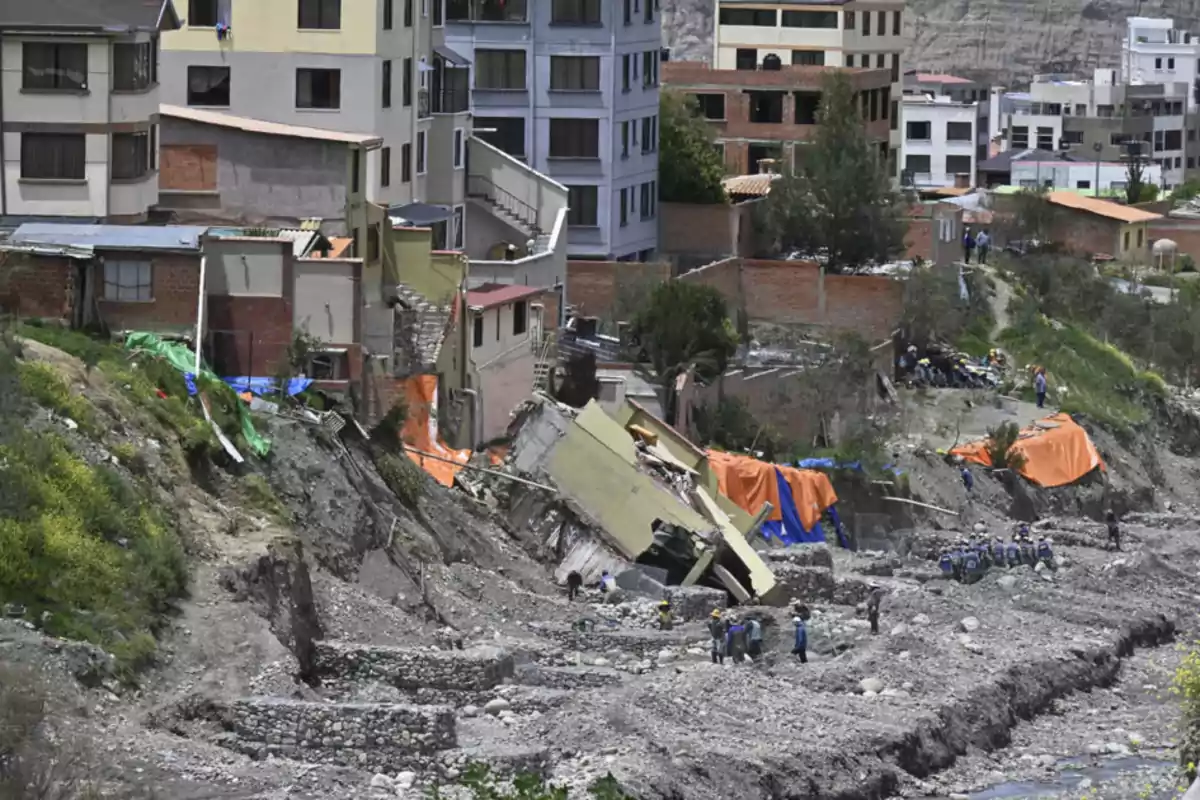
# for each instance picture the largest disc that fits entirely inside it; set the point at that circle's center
(716, 612)
(992, 352)
(665, 603)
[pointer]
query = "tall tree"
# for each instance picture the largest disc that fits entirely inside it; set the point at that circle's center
(684, 325)
(839, 200)
(690, 169)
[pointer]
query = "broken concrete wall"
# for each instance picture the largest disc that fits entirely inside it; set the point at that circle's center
(695, 602)
(405, 668)
(365, 735)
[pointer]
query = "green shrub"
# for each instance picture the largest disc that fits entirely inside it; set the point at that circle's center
(388, 432)
(483, 785)
(999, 446)
(258, 494)
(43, 384)
(78, 542)
(403, 477)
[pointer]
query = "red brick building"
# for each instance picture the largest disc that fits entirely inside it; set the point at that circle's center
(763, 114)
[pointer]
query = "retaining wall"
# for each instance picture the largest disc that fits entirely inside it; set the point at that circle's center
(409, 668)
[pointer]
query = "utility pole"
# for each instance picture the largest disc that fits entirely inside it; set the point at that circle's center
(1098, 147)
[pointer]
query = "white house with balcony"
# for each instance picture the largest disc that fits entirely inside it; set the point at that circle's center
(938, 145)
(80, 107)
(1155, 51)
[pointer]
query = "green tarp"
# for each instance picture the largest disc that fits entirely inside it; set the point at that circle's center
(183, 359)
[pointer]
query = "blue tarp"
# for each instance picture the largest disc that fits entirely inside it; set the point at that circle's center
(789, 529)
(827, 463)
(261, 386)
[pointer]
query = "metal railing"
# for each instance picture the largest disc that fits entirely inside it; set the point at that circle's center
(523, 213)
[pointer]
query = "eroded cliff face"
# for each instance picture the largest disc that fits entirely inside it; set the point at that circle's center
(998, 40)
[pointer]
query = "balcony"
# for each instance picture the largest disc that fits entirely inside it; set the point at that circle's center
(470, 11)
(523, 200)
(451, 101)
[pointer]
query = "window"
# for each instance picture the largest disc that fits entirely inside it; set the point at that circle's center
(385, 166)
(649, 68)
(574, 138)
(355, 171)
(406, 163)
(810, 19)
(582, 202)
(574, 73)
(881, 28)
(1141, 240)
(648, 16)
(625, 139)
(54, 67)
(387, 15)
(500, 69)
(1173, 140)
(918, 131)
(1170, 63)
(520, 318)
(439, 13)
(624, 207)
(866, 23)
(1157, 65)
(1020, 137)
(507, 134)
(807, 106)
(896, 27)
(746, 59)
(808, 58)
(459, 221)
(1045, 138)
(477, 332)
(849, 59)
(127, 281)
(387, 83)
(486, 10)
(879, 60)
(459, 147)
(628, 12)
(649, 134)
(133, 67)
(647, 197)
(958, 165)
(130, 155)
(575, 12)
(958, 131)
(1083, 184)
(53, 156)
(406, 83)
(711, 106)
(408, 13)
(745, 16)
(765, 107)
(1072, 137)
(626, 71)
(850, 24)
(319, 14)
(318, 88)
(202, 13)
(895, 67)
(917, 165)
(421, 153)
(208, 86)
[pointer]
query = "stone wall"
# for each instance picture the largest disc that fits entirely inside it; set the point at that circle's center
(409, 668)
(567, 677)
(695, 602)
(375, 736)
(805, 584)
(643, 643)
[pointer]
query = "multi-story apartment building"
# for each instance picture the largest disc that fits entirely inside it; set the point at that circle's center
(1097, 119)
(377, 68)
(571, 88)
(939, 145)
(80, 107)
(959, 90)
(834, 34)
(1155, 51)
(768, 114)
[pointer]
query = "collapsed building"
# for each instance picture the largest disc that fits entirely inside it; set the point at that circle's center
(632, 493)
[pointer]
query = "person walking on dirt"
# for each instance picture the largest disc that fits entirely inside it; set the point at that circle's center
(754, 638)
(1013, 551)
(972, 568)
(800, 645)
(946, 564)
(607, 582)
(998, 555)
(967, 478)
(1039, 386)
(574, 584)
(1044, 553)
(716, 631)
(956, 561)
(873, 601)
(968, 245)
(1114, 530)
(983, 244)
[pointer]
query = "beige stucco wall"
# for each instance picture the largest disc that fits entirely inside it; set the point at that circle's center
(243, 267)
(324, 300)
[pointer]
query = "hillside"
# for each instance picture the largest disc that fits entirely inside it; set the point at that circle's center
(995, 41)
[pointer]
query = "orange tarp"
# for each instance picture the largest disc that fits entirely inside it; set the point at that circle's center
(420, 430)
(749, 483)
(1059, 453)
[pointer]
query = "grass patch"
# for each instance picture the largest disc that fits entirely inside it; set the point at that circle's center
(403, 477)
(78, 542)
(43, 384)
(258, 494)
(1102, 382)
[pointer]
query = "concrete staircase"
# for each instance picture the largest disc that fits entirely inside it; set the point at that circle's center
(420, 327)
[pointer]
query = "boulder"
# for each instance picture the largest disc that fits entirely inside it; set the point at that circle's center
(968, 624)
(873, 685)
(497, 705)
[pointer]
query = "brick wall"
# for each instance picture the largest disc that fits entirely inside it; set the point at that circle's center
(1085, 233)
(725, 276)
(594, 286)
(1183, 232)
(712, 231)
(175, 284)
(249, 335)
(187, 167)
(36, 286)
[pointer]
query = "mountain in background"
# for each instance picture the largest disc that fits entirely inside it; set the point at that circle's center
(1004, 41)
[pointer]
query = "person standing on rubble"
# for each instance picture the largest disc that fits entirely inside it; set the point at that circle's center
(800, 646)
(1114, 529)
(873, 601)
(754, 638)
(607, 582)
(574, 584)
(666, 621)
(983, 244)
(1039, 386)
(716, 630)
(735, 641)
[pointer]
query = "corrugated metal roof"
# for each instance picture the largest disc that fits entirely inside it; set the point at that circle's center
(111, 237)
(302, 241)
(754, 185)
(94, 15)
(251, 125)
(1101, 208)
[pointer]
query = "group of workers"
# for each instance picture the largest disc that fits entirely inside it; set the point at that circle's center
(970, 559)
(943, 368)
(737, 637)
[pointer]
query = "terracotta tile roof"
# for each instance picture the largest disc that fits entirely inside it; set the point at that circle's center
(490, 295)
(1102, 208)
(753, 185)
